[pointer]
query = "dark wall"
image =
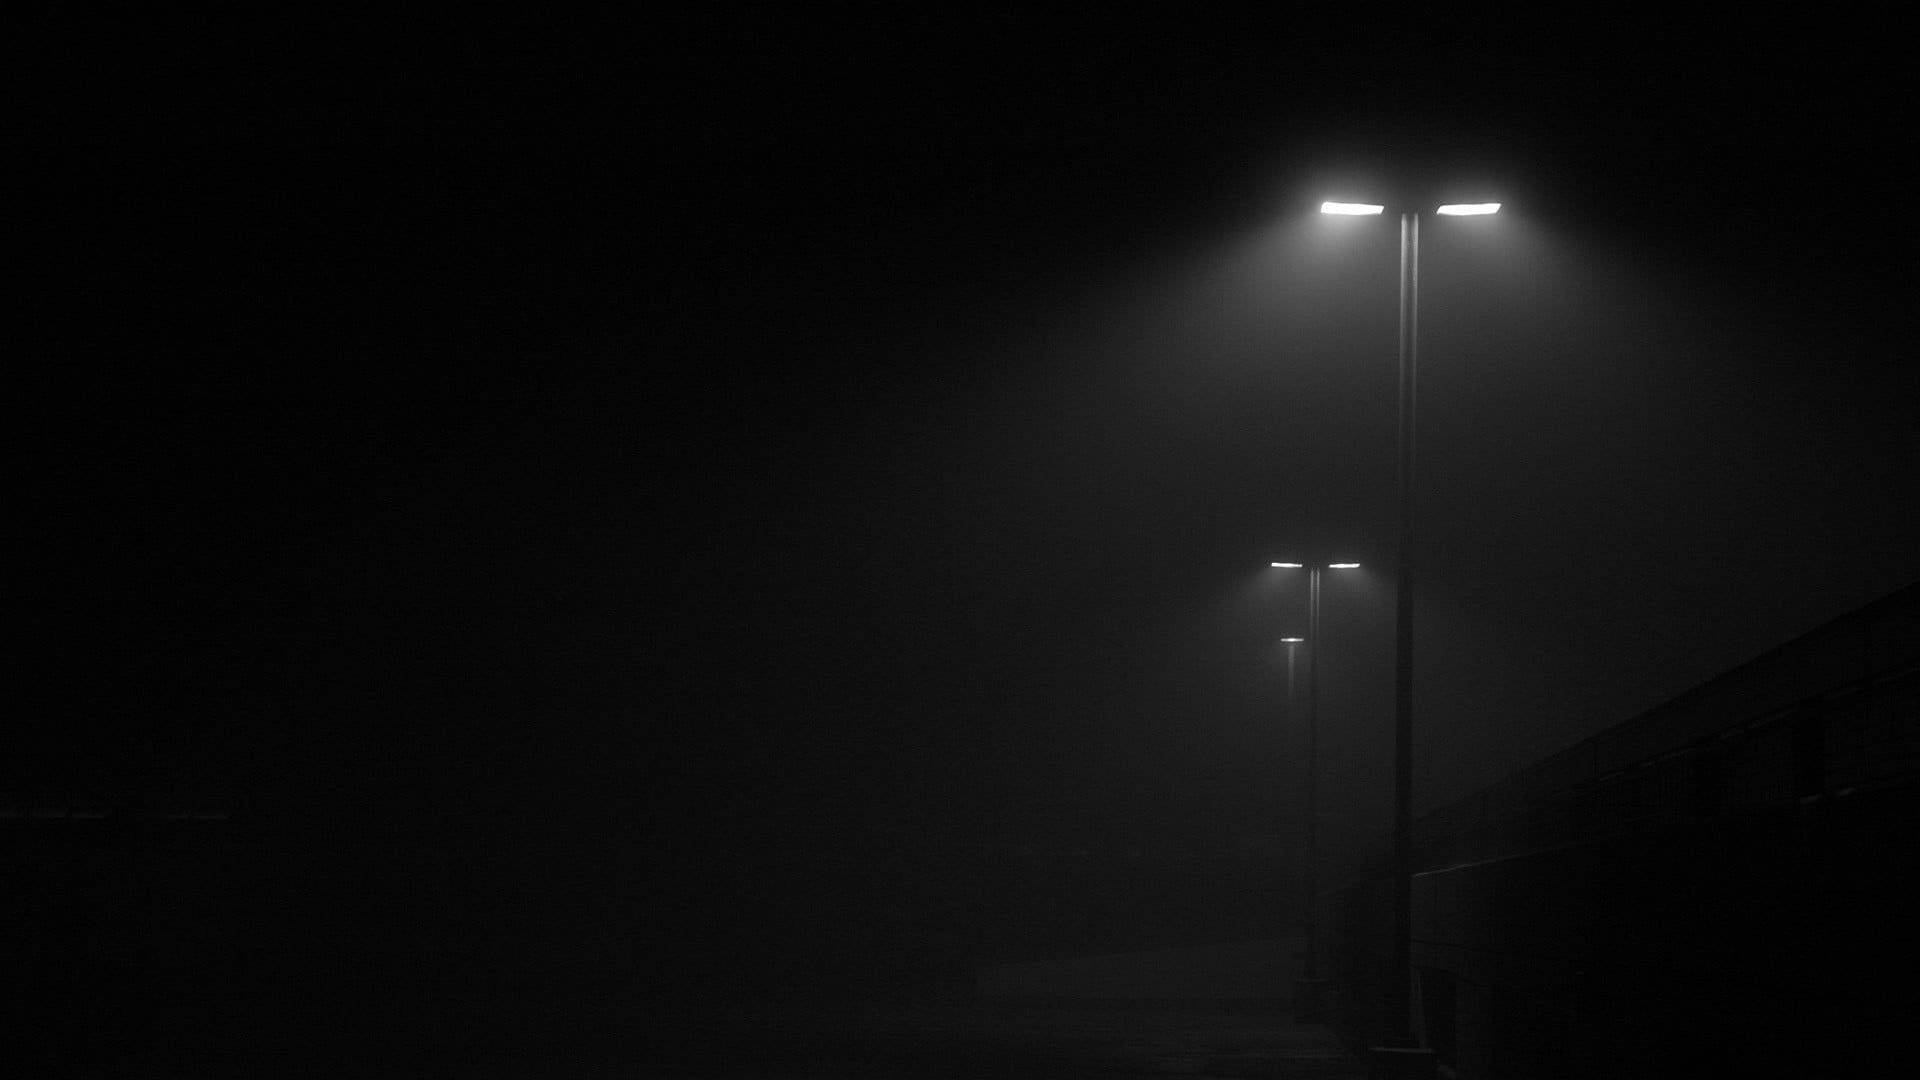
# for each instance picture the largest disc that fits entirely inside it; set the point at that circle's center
(1757, 942)
(1719, 886)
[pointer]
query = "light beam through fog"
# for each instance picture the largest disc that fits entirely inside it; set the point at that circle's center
(1248, 395)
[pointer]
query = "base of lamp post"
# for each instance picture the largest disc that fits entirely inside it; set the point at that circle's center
(1402, 1063)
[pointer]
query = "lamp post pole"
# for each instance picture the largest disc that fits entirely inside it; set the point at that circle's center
(1399, 996)
(1313, 793)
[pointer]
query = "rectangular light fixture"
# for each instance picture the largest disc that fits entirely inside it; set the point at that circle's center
(1467, 208)
(1351, 208)
(1343, 566)
(1288, 565)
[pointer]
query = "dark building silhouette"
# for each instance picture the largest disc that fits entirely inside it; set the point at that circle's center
(1721, 883)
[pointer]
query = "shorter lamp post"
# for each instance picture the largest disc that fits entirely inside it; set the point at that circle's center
(1308, 1004)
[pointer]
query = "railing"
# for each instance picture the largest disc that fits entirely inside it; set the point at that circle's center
(1691, 871)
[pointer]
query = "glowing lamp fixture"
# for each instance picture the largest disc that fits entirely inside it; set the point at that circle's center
(1468, 209)
(1293, 640)
(1351, 208)
(1289, 565)
(1343, 566)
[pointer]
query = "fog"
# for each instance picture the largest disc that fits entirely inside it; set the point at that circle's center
(790, 506)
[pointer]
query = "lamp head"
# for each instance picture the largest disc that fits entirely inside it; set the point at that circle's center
(1353, 209)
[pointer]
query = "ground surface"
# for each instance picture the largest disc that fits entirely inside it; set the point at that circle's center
(1004, 1040)
(471, 1031)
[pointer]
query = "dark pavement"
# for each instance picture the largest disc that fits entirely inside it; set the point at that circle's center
(997, 1039)
(393, 1027)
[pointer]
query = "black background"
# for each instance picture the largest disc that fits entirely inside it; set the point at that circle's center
(730, 483)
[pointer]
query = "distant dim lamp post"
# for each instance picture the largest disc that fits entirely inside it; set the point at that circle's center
(1400, 1055)
(1291, 643)
(1310, 990)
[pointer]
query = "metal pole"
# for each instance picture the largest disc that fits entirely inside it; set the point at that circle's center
(1399, 996)
(1313, 769)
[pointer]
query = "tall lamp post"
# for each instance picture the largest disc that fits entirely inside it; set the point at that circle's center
(1309, 992)
(1398, 1003)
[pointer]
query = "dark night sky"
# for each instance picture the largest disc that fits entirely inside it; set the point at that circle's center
(866, 428)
